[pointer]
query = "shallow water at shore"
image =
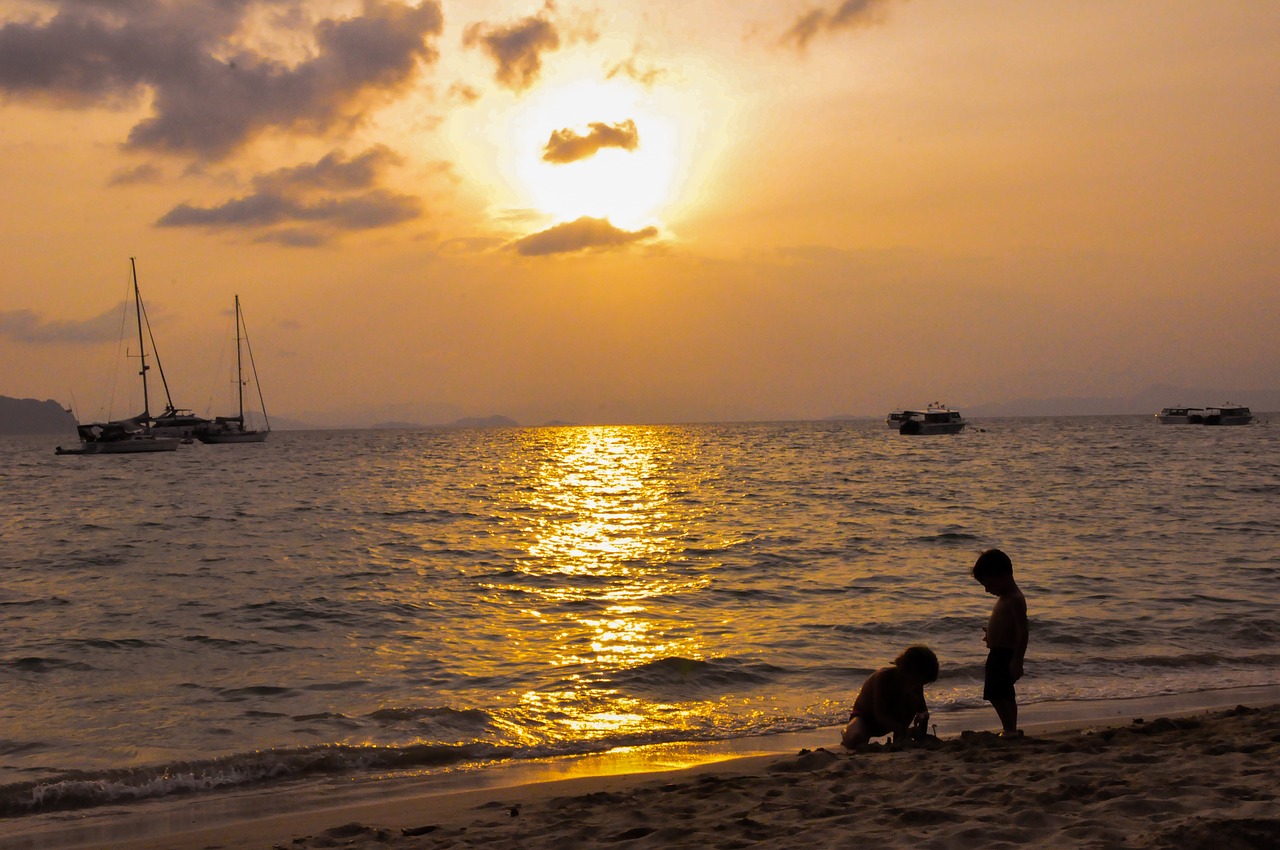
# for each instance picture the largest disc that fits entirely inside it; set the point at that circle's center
(361, 603)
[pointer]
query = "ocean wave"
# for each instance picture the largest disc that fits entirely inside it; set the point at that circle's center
(693, 676)
(425, 515)
(79, 789)
(910, 626)
(434, 721)
(74, 790)
(948, 537)
(252, 692)
(106, 643)
(10, 747)
(34, 603)
(1240, 631)
(37, 664)
(1202, 659)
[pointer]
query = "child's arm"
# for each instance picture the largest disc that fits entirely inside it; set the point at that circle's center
(1021, 634)
(920, 722)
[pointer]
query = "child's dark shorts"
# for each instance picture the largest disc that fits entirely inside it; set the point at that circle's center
(999, 681)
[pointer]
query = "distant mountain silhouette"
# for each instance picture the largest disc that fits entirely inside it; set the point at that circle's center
(29, 416)
(494, 421)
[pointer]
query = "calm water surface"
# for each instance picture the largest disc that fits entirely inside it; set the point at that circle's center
(334, 603)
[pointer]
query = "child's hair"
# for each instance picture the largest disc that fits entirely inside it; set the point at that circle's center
(992, 563)
(920, 662)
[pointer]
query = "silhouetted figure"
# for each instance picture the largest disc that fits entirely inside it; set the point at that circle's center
(1005, 635)
(892, 699)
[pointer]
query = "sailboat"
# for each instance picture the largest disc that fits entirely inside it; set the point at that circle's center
(231, 429)
(127, 436)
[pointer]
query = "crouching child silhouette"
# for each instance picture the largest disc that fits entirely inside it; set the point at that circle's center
(892, 700)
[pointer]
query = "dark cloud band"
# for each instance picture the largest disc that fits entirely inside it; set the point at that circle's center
(310, 203)
(210, 94)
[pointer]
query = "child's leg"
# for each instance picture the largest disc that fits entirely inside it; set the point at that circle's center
(1007, 711)
(998, 690)
(858, 732)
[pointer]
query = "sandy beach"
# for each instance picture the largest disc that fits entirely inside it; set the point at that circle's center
(1199, 781)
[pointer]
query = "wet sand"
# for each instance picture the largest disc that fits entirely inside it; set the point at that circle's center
(1201, 781)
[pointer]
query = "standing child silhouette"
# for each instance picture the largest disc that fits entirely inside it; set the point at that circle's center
(1005, 636)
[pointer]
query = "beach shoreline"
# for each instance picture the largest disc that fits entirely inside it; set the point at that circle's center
(449, 808)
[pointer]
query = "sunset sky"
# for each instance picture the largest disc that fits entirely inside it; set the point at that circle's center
(624, 211)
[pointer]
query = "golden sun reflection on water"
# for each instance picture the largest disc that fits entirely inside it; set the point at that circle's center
(608, 511)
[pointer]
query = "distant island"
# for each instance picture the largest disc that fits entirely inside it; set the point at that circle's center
(30, 416)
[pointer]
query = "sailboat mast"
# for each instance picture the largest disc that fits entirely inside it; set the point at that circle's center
(239, 367)
(142, 347)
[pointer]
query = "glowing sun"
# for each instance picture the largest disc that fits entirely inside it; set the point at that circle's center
(595, 149)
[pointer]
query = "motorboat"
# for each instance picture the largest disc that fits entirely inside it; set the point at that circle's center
(935, 419)
(1228, 414)
(1181, 416)
(176, 422)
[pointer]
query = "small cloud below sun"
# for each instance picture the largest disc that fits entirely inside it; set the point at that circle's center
(585, 234)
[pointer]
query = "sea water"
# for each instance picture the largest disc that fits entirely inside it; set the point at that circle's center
(359, 603)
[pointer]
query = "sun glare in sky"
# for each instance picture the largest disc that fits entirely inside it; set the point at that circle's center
(627, 150)
(630, 186)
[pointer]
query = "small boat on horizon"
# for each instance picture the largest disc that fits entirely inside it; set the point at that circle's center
(937, 418)
(1227, 414)
(231, 429)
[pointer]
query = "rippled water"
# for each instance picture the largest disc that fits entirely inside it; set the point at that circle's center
(331, 602)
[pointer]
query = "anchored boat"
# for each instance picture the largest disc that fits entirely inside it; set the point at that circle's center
(1228, 414)
(138, 433)
(937, 418)
(231, 429)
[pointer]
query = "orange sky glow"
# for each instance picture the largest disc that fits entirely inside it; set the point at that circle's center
(625, 211)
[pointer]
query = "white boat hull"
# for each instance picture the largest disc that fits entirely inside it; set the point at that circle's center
(234, 437)
(124, 447)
